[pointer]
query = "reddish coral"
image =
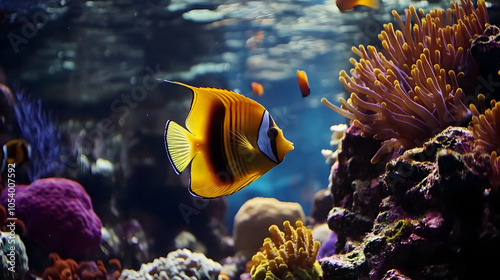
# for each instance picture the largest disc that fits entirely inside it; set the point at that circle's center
(89, 270)
(61, 269)
(68, 269)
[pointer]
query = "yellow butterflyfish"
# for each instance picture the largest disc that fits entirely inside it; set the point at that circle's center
(229, 141)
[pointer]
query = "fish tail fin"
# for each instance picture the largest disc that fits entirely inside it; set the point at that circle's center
(178, 143)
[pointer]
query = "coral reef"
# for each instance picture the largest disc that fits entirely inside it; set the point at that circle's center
(14, 261)
(287, 255)
(254, 218)
(86, 270)
(411, 91)
(40, 131)
(58, 215)
(436, 220)
(179, 264)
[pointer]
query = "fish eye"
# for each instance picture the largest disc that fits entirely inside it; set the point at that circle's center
(272, 133)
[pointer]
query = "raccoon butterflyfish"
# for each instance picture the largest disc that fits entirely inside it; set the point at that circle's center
(346, 5)
(14, 151)
(230, 141)
(303, 83)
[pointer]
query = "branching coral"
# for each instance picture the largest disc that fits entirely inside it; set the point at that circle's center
(411, 92)
(486, 131)
(287, 255)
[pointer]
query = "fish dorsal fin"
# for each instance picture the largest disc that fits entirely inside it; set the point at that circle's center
(206, 101)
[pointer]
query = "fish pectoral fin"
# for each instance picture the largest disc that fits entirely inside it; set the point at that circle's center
(178, 143)
(242, 142)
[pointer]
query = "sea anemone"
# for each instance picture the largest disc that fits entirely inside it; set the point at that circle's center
(411, 91)
(287, 255)
(486, 131)
(486, 127)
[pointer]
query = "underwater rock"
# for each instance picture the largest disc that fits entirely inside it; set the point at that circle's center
(485, 50)
(186, 240)
(394, 274)
(435, 222)
(353, 163)
(179, 264)
(255, 216)
(355, 186)
(58, 215)
(322, 203)
(14, 259)
(126, 236)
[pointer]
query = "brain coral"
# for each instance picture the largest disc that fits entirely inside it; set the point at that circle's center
(287, 255)
(58, 215)
(411, 91)
(179, 264)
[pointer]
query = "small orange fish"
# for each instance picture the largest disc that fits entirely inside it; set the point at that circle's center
(303, 83)
(14, 151)
(347, 5)
(257, 89)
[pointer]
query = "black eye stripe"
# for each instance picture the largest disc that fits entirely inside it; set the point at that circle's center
(272, 133)
(271, 121)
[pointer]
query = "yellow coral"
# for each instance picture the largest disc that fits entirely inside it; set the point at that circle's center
(410, 92)
(287, 255)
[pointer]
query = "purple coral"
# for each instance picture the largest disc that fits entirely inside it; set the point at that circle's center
(41, 132)
(58, 215)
